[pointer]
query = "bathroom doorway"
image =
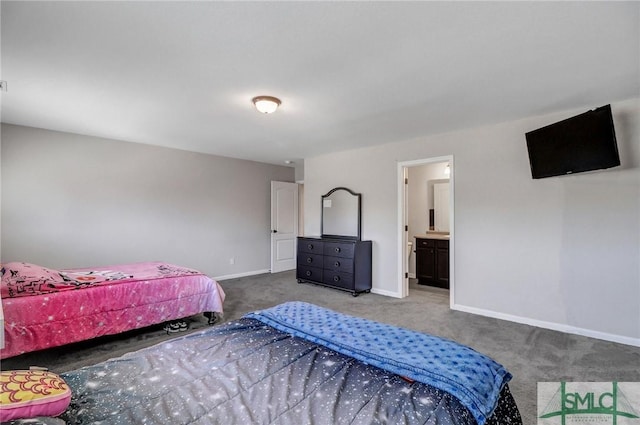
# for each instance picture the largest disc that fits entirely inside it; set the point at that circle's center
(425, 209)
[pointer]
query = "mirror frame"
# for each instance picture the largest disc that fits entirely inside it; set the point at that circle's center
(359, 196)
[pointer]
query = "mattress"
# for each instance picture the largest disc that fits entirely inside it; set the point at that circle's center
(140, 295)
(249, 372)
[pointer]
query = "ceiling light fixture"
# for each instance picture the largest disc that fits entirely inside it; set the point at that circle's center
(266, 104)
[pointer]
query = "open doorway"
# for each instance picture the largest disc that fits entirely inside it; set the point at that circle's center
(425, 210)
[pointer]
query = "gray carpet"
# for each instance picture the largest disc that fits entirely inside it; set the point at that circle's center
(531, 354)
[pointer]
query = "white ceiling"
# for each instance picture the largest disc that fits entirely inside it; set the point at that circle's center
(182, 74)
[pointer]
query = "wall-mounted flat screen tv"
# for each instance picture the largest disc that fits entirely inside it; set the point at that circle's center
(582, 143)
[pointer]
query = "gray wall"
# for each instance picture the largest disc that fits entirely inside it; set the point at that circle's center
(559, 252)
(76, 201)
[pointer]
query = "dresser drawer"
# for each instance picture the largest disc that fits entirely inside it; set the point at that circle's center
(311, 260)
(311, 246)
(425, 243)
(338, 264)
(442, 244)
(309, 273)
(342, 280)
(339, 249)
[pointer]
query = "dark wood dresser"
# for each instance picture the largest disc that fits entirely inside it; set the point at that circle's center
(339, 263)
(432, 262)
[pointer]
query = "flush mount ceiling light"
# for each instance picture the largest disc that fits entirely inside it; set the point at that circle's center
(266, 104)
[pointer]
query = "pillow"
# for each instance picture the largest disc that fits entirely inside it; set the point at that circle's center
(23, 279)
(29, 393)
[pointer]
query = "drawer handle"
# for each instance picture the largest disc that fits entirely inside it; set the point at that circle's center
(336, 278)
(337, 264)
(309, 260)
(308, 273)
(337, 249)
(310, 246)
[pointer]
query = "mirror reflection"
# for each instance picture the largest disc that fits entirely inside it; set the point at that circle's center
(341, 214)
(441, 206)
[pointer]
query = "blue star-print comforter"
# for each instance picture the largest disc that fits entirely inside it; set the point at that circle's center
(473, 378)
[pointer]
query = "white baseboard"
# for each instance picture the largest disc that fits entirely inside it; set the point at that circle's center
(245, 274)
(385, 293)
(620, 339)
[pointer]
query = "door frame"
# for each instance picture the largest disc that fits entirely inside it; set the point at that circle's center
(403, 237)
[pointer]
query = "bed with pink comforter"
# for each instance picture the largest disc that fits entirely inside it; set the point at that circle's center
(46, 308)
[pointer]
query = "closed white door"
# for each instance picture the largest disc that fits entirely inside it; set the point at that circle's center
(284, 225)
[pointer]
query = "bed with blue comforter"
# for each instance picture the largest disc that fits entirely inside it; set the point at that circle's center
(295, 363)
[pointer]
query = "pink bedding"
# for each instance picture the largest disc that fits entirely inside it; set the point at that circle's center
(46, 308)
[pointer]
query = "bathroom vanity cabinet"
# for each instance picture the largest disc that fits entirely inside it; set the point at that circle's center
(432, 262)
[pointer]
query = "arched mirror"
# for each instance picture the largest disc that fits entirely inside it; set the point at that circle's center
(340, 214)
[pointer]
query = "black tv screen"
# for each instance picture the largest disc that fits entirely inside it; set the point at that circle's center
(582, 143)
